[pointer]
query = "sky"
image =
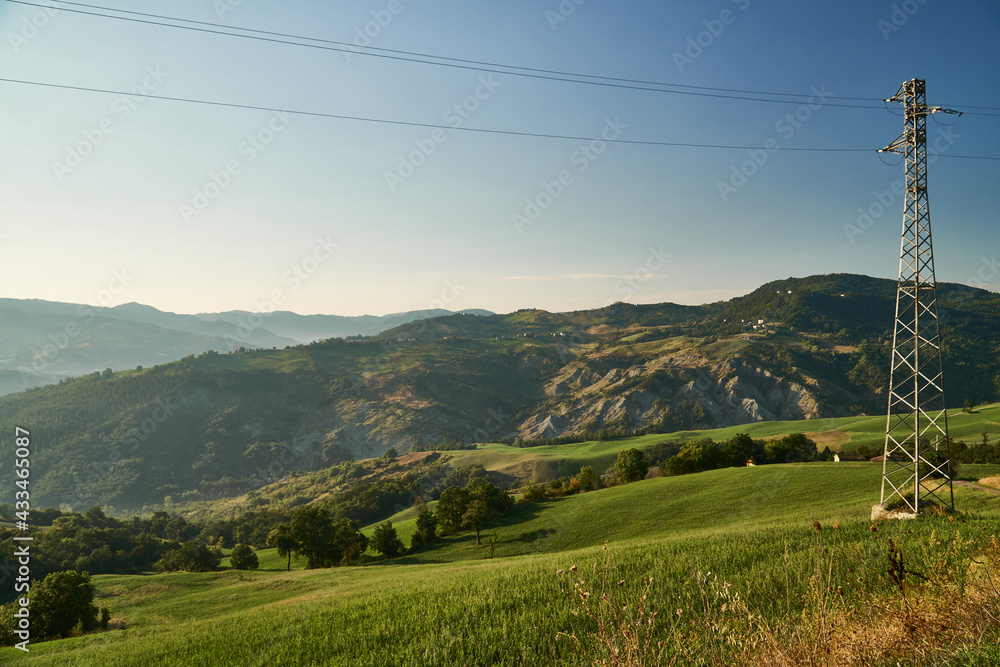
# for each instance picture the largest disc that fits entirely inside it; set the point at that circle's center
(109, 198)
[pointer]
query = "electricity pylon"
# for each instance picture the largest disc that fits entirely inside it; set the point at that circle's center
(917, 466)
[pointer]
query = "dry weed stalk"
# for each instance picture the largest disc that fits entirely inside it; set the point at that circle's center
(945, 596)
(626, 622)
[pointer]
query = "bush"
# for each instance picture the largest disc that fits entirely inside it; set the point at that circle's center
(587, 479)
(189, 557)
(386, 541)
(631, 466)
(243, 557)
(426, 529)
(534, 493)
(60, 605)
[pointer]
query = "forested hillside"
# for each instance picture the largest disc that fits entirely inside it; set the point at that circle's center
(218, 425)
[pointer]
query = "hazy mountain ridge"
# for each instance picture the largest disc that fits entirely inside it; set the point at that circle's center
(46, 341)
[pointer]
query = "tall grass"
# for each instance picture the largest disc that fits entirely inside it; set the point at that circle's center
(744, 567)
(942, 607)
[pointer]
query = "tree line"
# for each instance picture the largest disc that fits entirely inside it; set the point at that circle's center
(677, 458)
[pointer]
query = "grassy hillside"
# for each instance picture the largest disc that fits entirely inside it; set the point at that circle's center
(714, 543)
(545, 462)
(222, 425)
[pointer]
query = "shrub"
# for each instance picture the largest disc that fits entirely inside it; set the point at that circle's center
(631, 466)
(243, 557)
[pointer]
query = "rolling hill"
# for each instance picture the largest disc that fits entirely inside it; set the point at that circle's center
(735, 549)
(220, 425)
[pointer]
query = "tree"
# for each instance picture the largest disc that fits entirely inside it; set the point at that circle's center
(282, 539)
(312, 529)
(497, 500)
(189, 557)
(587, 479)
(426, 529)
(349, 543)
(59, 604)
(694, 457)
(475, 516)
(631, 466)
(803, 448)
(794, 447)
(390, 455)
(324, 542)
(386, 541)
(243, 557)
(451, 506)
(535, 493)
(738, 450)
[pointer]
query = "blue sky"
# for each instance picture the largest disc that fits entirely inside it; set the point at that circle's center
(195, 208)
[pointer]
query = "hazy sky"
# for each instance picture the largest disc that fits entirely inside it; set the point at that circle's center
(194, 208)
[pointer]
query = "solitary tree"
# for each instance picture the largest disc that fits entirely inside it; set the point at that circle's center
(281, 538)
(313, 530)
(475, 516)
(243, 557)
(386, 541)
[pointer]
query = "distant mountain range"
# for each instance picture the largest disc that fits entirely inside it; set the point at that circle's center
(217, 425)
(42, 342)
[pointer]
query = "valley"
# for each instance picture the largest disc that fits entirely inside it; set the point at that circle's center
(217, 425)
(744, 522)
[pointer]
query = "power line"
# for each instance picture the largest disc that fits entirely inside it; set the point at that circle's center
(462, 63)
(483, 130)
(456, 63)
(387, 121)
(354, 48)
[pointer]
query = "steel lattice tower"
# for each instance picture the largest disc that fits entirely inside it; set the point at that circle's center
(916, 466)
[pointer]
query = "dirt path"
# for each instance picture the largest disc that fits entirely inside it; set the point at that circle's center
(977, 487)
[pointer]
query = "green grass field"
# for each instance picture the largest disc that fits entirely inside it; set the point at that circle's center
(840, 434)
(749, 529)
